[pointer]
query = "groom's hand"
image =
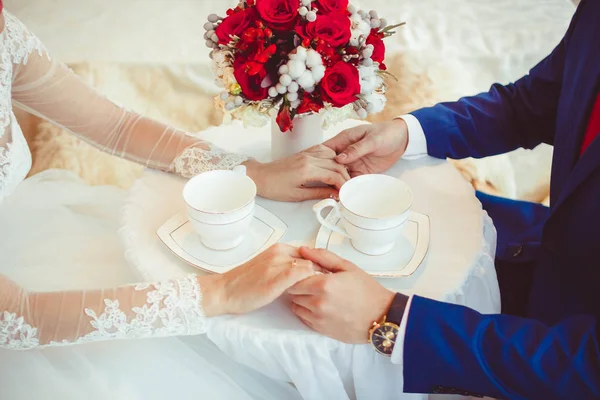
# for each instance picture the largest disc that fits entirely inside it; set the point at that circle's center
(342, 304)
(370, 148)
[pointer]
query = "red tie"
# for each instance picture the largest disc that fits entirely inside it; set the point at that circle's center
(593, 128)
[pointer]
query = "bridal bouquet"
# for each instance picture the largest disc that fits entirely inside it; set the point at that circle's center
(297, 57)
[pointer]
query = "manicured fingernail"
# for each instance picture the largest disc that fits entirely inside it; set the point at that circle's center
(342, 156)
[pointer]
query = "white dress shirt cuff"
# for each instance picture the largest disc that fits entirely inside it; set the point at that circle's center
(417, 143)
(398, 354)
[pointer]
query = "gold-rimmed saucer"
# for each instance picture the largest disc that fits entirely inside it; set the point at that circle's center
(180, 238)
(404, 258)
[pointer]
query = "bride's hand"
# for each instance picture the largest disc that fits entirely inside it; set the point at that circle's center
(287, 179)
(255, 284)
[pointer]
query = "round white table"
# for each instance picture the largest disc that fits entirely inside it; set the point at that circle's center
(458, 268)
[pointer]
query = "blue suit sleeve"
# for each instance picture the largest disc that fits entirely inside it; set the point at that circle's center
(507, 117)
(500, 356)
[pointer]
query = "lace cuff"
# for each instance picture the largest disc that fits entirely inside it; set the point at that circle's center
(167, 308)
(197, 159)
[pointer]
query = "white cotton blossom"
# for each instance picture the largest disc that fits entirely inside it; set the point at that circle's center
(306, 80)
(318, 73)
(365, 71)
(304, 69)
(368, 85)
(375, 102)
(313, 58)
(301, 53)
(359, 27)
(369, 80)
(296, 68)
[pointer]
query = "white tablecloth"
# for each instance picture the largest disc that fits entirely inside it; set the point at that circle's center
(459, 268)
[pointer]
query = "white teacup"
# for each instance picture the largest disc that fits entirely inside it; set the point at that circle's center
(220, 206)
(374, 210)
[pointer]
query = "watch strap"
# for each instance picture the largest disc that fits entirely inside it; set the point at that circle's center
(397, 308)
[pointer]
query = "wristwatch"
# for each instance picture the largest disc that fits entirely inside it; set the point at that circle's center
(383, 334)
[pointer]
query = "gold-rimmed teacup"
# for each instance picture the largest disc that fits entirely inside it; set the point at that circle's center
(220, 206)
(373, 210)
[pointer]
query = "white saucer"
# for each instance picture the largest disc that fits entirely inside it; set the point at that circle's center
(402, 260)
(178, 235)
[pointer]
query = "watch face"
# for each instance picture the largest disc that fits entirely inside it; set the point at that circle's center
(384, 338)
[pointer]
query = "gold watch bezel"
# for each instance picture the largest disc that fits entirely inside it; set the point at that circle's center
(377, 325)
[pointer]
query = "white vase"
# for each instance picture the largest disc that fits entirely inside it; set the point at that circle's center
(307, 132)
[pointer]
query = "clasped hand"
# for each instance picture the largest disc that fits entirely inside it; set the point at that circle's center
(365, 149)
(329, 294)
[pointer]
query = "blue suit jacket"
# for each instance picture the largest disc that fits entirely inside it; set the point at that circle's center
(556, 353)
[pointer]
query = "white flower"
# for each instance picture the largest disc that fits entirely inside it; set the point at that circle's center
(229, 77)
(375, 102)
(306, 80)
(218, 57)
(251, 116)
(335, 115)
(365, 71)
(222, 69)
(313, 59)
(318, 73)
(301, 53)
(369, 80)
(368, 85)
(296, 68)
(359, 28)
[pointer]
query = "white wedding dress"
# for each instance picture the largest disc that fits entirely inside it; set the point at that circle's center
(66, 292)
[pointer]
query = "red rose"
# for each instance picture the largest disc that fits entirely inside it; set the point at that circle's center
(334, 30)
(284, 119)
(250, 84)
(236, 24)
(279, 14)
(332, 6)
(375, 38)
(341, 84)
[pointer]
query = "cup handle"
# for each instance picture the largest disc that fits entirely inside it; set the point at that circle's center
(323, 204)
(240, 169)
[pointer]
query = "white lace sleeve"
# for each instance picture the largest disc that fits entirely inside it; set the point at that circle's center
(49, 89)
(167, 308)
